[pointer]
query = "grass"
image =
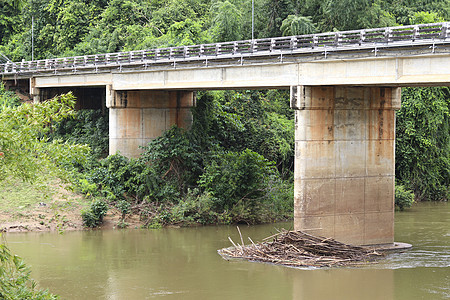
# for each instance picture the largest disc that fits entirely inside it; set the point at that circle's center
(21, 201)
(17, 196)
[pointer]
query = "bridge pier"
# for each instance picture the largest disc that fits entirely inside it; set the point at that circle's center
(345, 162)
(139, 116)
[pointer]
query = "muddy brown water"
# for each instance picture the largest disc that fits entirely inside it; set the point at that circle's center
(183, 264)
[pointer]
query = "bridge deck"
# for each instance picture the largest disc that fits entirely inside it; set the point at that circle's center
(415, 39)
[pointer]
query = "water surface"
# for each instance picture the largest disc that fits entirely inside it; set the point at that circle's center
(183, 264)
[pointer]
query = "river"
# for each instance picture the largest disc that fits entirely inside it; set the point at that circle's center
(183, 264)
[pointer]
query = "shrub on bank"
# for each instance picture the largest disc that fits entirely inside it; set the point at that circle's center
(403, 198)
(93, 216)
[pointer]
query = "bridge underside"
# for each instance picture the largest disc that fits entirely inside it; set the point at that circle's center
(344, 149)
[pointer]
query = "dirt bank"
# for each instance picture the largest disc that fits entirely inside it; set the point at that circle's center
(49, 206)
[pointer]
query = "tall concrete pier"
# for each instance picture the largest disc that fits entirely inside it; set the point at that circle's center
(137, 117)
(345, 162)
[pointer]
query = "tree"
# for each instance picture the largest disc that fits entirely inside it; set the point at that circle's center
(274, 12)
(297, 25)
(226, 21)
(344, 14)
(9, 17)
(24, 150)
(423, 142)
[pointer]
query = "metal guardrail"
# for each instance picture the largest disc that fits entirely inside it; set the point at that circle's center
(343, 40)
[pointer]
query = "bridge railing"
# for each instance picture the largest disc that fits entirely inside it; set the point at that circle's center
(402, 35)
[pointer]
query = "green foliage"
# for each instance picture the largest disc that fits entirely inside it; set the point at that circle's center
(93, 216)
(423, 17)
(423, 142)
(175, 158)
(124, 207)
(227, 21)
(297, 25)
(86, 127)
(7, 98)
(15, 281)
(9, 17)
(344, 14)
(235, 177)
(258, 120)
(403, 198)
(199, 207)
(75, 27)
(23, 146)
(164, 182)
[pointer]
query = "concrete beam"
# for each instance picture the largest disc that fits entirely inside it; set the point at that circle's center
(432, 69)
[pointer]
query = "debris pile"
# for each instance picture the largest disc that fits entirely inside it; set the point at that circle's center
(299, 249)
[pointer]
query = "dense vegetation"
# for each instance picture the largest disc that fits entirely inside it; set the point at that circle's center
(423, 143)
(235, 164)
(24, 147)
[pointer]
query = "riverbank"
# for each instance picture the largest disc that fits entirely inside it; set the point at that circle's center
(42, 206)
(51, 205)
(48, 206)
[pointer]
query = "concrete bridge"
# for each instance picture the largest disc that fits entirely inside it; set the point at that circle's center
(345, 89)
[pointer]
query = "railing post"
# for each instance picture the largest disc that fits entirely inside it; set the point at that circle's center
(362, 36)
(293, 43)
(337, 39)
(388, 35)
(315, 41)
(444, 30)
(272, 44)
(416, 33)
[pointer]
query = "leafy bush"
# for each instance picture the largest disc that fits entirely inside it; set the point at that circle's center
(24, 151)
(186, 176)
(238, 178)
(8, 98)
(94, 215)
(175, 157)
(15, 281)
(403, 198)
(198, 207)
(124, 208)
(86, 127)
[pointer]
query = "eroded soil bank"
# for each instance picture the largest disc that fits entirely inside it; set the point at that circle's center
(47, 207)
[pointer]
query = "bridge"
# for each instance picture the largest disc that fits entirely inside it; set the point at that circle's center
(345, 89)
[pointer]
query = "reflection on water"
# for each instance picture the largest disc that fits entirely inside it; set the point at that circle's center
(183, 264)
